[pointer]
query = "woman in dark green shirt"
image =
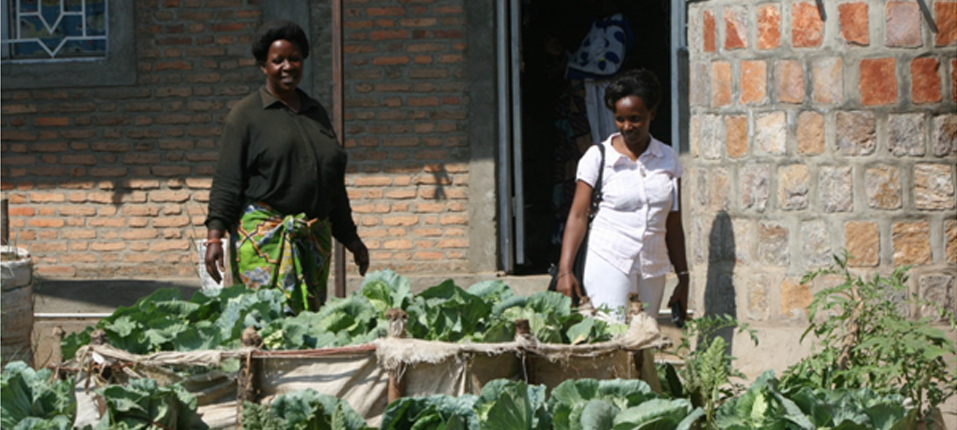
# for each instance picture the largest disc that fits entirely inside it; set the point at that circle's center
(279, 186)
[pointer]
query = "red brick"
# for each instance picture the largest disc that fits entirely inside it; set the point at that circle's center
(945, 16)
(878, 83)
(903, 25)
(854, 23)
(807, 27)
(735, 28)
(736, 135)
(17, 109)
(925, 80)
(827, 78)
(754, 81)
(720, 83)
(789, 81)
(710, 32)
(769, 26)
(45, 121)
(46, 222)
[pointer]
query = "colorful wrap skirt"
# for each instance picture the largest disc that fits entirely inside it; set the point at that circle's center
(290, 253)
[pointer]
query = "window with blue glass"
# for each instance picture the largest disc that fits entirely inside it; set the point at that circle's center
(43, 30)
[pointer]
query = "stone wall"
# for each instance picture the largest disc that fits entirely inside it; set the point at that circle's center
(113, 181)
(814, 130)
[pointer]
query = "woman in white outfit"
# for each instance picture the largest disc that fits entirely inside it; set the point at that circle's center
(636, 237)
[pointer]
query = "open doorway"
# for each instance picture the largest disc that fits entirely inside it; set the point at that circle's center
(555, 128)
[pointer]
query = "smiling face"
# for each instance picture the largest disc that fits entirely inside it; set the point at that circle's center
(633, 120)
(283, 68)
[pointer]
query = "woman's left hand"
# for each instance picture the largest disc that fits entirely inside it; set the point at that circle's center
(680, 293)
(361, 255)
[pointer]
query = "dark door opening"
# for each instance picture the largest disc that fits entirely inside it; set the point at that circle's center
(555, 130)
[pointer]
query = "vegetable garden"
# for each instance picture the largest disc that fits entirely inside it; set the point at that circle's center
(478, 358)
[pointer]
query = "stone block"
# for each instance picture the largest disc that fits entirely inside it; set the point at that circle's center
(856, 132)
(795, 299)
(770, 135)
(701, 186)
(720, 83)
(902, 29)
(700, 79)
(945, 135)
(883, 185)
(810, 133)
(742, 240)
(807, 26)
(827, 76)
(710, 35)
(769, 26)
(836, 189)
(694, 135)
(789, 81)
(816, 243)
(953, 79)
(950, 240)
(793, 186)
(905, 134)
(757, 307)
(878, 82)
(736, 135)
(712, 137)
(754, 82)
(701, 227)
(735, 27)
(719, 189)
(862, 239)
(754, 180)
(911, 243)
(945, 16)
(696, 30)
(925, 80)
(854, 23)
(934, 186)
(773, 244)
(938, 291)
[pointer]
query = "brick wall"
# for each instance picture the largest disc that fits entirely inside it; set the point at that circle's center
(814, 130)
(406, 127)
(113, 181)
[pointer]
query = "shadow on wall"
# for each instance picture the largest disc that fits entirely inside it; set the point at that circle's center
(441, 178)
(720, 295)
(101, 296)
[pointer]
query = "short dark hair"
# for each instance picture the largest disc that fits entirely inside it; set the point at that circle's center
(279, 29)
(640, 82)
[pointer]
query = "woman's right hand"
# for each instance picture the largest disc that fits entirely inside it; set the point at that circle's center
(568, 285)
(214, 260)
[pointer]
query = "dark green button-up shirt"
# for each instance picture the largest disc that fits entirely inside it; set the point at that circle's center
(288, 160)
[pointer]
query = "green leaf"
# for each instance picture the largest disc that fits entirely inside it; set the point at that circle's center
(654, 414)
(598, 415)
(26, 393)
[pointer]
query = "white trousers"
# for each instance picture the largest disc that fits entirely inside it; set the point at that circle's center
(608, 286)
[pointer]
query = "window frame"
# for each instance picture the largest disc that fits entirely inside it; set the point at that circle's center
(117, 68)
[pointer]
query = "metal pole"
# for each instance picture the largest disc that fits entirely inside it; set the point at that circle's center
(504, 156)
(338, 114)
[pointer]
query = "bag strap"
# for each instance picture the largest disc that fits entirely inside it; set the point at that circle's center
(596, 195)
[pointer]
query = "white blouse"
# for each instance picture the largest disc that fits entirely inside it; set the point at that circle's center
(637, 197)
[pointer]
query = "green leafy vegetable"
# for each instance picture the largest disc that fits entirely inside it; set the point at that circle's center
(32, 399)
(303, 410)
(145, 405)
